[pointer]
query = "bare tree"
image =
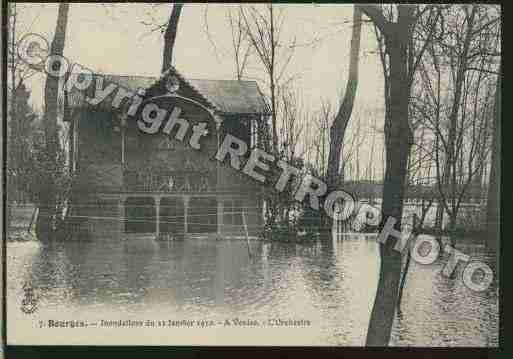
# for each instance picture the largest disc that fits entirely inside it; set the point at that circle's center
(403, 57)
(263, 27)
(293, 117)
(241, 47)
(339, 125)
(48, 194)
(493, 203)
(321, 122)
(459, 69)
(319, 147)
(454, 101)
(170, 36)
(18, 73)
(257, 36)
(451, 106)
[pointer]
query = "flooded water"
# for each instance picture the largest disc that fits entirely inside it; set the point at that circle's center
(330, 285)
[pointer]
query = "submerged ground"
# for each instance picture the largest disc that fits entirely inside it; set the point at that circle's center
(330, 285)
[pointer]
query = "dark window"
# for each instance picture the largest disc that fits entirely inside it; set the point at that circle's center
(140, 215)
(238, 127)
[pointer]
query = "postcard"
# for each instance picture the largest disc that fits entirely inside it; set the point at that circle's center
(252, 174)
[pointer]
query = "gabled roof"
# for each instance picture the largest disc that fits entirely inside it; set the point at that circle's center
(223, 96)
(232, 96)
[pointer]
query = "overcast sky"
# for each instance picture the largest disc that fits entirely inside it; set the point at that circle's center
(112, 38)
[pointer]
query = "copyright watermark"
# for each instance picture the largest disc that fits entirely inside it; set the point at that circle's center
(339, 205)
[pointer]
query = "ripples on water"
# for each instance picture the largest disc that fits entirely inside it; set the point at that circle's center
(331, 284)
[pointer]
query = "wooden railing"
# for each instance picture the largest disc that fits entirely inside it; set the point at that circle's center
(169, 181)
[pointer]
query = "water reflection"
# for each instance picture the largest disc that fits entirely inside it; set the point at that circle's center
(331, 283)
(443, 312)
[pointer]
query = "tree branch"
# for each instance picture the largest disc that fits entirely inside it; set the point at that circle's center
(377, 17)
(482, 70)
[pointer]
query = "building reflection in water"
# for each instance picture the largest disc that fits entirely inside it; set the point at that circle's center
(331, 283)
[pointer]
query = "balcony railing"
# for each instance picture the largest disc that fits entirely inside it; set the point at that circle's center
(169, 181)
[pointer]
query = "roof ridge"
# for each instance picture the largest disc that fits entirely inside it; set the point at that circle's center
(157, 77)
(226, 80)
(119, 75)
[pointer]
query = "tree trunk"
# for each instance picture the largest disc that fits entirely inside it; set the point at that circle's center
(47, 197)
(493, 203)
(398, 140)
(403, 280)
(415, 232)
(170, 37)
(338, 128)
(397, 151)
(439, 217)
(452, 226)
(10, 37)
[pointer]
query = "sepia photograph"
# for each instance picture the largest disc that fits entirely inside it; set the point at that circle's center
(251, 174)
